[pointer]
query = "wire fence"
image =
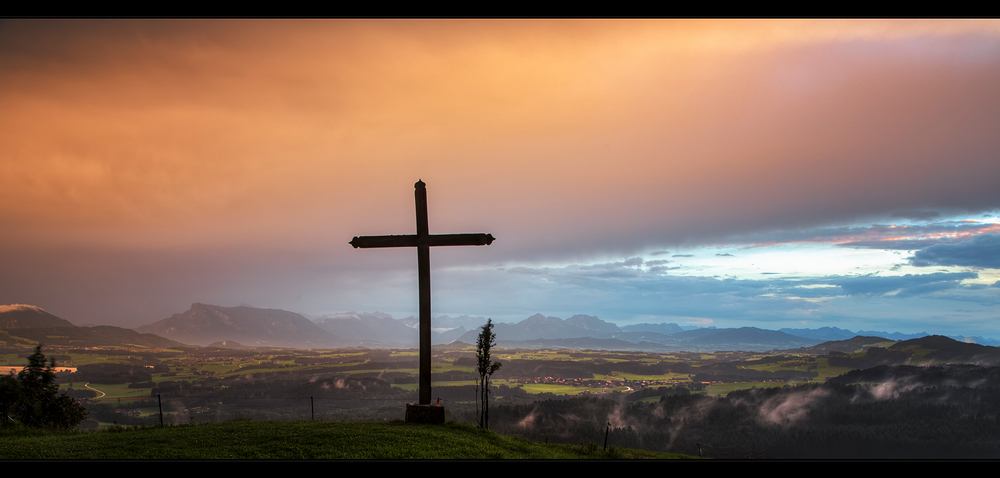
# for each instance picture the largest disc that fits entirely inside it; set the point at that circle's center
(168, 410)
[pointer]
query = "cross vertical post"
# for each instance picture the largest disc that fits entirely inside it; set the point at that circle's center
(423, 241)
(424, 273)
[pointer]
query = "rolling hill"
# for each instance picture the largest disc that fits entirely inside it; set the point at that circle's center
(27, 324)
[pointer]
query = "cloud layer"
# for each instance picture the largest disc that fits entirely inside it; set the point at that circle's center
(149, 164)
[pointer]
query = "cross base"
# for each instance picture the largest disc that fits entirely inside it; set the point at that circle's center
(419, 413)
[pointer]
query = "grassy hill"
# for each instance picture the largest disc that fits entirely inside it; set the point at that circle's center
(28, 325)
(20, 316)
(858, 343)
(300, 440)
(97, 336)
(937, 348)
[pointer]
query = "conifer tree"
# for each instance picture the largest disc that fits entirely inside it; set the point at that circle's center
(31, 398)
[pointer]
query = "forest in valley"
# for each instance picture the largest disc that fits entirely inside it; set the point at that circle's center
(804, 421)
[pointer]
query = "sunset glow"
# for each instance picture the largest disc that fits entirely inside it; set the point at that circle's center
(704, 172)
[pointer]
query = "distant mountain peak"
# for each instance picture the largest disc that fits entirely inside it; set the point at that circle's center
(20, 307)
(205, 323)
(22, 316)
(589, 322)
(357, 315)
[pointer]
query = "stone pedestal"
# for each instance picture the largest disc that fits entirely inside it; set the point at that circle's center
(417, 413)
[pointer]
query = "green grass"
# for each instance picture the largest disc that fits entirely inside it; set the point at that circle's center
(668, 377)
(723, 389)
(119, 390)
(435, 383)
(299, 440)
(557, 388)
(827, 371)
(919, 353)
(534, 355)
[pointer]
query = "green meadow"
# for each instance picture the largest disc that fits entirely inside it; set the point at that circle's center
(291, 440)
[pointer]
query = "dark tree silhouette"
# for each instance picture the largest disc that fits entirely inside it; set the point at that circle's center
(485, 367)
(31, 398)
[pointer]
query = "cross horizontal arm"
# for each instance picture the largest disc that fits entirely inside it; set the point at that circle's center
(413, 240)
(460, 239)
(384, 241)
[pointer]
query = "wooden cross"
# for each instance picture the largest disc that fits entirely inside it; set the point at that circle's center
(423, 241)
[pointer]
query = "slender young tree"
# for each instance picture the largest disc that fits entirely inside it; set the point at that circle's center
(485, 367)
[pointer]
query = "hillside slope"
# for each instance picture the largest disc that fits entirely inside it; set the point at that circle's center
(27, 324)
(21, 316)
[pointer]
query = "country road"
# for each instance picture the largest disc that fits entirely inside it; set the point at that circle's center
(102, 394)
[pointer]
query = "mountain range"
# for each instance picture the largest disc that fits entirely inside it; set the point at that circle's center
(205, 324)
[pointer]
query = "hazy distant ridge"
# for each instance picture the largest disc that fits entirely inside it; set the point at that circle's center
(32, 324)
(203, 324)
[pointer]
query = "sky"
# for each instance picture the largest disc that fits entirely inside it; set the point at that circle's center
(728, 173)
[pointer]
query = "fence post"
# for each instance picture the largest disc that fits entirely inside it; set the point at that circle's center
(606, 431)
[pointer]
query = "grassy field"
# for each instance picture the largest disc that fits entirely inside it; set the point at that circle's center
(452, 383)
(202, 369)
(723, 389)
(300, 440)
(532, 388)
(556, 388)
